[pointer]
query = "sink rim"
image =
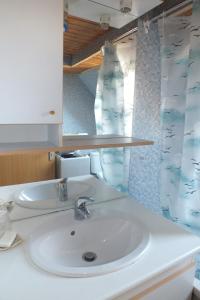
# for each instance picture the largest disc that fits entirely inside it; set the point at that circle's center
(95, 270)
(22, 201)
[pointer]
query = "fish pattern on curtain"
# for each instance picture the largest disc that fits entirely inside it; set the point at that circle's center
(113, 116)
(180, 117)
(180, 120)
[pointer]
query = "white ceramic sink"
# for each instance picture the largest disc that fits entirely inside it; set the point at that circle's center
(45, 195)
(110, 239)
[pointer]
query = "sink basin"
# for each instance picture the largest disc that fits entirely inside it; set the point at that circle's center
(108, 241)
(45, 195)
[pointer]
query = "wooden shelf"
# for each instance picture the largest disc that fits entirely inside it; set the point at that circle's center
(74, 143)
(85, 142)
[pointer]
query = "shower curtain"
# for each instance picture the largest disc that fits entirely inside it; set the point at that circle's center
(180, 118)
(113, 109)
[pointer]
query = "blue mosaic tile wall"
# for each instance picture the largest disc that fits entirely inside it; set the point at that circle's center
(145, 161)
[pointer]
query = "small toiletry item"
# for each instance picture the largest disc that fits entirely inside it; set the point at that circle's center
(8, 237)
(9, 240)
(7, 204)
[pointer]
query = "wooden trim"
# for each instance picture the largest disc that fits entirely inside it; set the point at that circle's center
(85, 59)
(164, 281)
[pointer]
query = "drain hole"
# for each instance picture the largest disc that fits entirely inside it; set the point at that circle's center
(89, 256)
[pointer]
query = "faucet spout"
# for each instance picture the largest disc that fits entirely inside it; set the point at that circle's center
(63, 190)
(81, 211)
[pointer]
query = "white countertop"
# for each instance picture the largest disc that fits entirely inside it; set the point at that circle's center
(20, 279)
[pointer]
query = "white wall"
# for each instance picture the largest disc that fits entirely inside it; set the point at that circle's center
(89, 78)
(78, 106)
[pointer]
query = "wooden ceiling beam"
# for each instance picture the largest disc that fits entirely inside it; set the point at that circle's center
(96, 45)
(67, 60)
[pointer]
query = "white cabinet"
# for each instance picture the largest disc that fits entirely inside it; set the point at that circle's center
(31, 61)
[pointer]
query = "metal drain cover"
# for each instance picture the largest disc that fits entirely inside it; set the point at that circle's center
(89, 256)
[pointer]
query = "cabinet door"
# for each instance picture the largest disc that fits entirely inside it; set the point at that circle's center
(31, 61)
(22, 168)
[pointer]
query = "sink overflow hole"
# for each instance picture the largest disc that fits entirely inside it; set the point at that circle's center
(73, 232)
(89, 256)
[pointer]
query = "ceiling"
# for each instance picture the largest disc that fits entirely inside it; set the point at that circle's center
(93, 9)
(81, 33)
(84, 29)
(72, 44)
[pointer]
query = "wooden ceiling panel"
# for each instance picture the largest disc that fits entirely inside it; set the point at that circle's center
(80, 34)
(95, 60)
(83, 32)
(91, 62)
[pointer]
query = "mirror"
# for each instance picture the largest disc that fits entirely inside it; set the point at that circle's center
(79, 87)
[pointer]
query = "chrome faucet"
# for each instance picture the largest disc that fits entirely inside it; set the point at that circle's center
(63, 190)
(81, 211)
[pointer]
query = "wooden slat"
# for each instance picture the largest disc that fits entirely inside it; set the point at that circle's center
(29, 167)
(81, 33)
(76, 21)
(92, 62)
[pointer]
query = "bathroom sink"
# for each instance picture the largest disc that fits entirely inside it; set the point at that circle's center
(45, 195)
(108, 241)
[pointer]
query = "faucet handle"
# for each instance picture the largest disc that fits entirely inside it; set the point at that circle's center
(80, 210)
(81, 201)
(63, 180)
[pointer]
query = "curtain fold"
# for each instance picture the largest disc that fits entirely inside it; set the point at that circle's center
(113, 109)
(180, 117)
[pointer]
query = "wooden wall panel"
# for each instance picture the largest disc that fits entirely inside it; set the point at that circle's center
(21, 168)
